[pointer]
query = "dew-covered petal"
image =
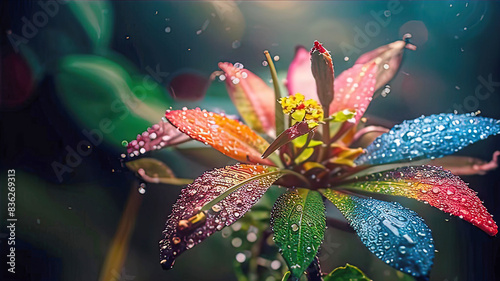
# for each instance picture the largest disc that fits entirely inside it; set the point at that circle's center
(228, 136)
(253, 98)
(299, 77)
(431, 136)
(298, 222)
(388, 57)
(466, 166)
(214, 200)
(435, 186)
(354, 89)
(396, 235)
(156, 137)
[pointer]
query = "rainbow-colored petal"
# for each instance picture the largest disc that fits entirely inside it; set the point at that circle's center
(396, 235)
(431, 137)
(435, 186)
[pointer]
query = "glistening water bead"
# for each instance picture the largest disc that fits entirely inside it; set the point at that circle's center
(431, 137)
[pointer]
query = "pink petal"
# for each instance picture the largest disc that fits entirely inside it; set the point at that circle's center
(354, 89)
(253, 98)
(299, 77)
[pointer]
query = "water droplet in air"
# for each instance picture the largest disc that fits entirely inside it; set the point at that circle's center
(168, 29)
(236, 44)
(295, 227)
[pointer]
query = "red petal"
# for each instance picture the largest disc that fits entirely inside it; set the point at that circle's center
(189, 224)
(228, 136)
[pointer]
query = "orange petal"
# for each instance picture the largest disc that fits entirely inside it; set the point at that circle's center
(228, 136)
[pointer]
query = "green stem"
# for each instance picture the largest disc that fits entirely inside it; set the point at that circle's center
(278, 114)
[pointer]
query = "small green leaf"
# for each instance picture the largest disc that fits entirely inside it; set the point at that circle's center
(308, 152)
(302, 140)
(346, 273)
(343, 115)
(298, 222)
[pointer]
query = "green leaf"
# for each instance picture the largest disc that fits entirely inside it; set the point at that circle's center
(346, 273)
(96, 18)
(104, 98)
(298, 222)
(302, 140)
(343, 115)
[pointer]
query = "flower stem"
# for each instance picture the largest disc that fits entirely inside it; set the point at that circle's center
(278, 114)
(323, 153)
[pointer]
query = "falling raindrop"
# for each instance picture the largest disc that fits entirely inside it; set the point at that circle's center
(275, 264)
(236, 242)
(295, 227)
(168, 29)
(142, 188)
(240, 257)
(251, 237)
(236, 44)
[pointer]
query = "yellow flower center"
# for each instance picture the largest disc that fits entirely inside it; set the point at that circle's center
(302, 110)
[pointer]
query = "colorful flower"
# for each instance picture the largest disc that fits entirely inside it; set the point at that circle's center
(317, 154)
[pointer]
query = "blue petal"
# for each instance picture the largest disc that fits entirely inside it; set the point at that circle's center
(395, 234)
(428, 137)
